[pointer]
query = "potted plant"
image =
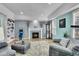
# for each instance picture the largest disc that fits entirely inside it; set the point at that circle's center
(66, 35)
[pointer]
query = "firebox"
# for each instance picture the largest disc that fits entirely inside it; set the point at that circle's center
(35, 35)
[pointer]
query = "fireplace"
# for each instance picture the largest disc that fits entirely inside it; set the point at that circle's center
(35, 35)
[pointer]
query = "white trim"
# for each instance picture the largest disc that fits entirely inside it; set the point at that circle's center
(41, 33)
(29, 33)
(73, 30)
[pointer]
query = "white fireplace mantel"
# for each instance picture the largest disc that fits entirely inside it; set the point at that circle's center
(35, 30)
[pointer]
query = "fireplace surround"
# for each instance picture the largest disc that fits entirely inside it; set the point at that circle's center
(36, 32)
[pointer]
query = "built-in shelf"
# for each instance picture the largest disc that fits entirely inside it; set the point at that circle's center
(10, 29)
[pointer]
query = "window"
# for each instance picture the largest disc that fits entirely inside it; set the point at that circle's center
(54, 27)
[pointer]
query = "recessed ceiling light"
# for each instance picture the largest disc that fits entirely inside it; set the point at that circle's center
(21, 13)
(35, 21)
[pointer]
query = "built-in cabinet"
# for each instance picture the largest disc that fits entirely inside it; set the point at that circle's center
(10, 29)
(6, 28)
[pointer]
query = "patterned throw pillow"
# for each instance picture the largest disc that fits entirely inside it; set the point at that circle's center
(64, 42)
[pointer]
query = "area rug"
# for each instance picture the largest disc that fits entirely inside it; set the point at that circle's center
(38, 48)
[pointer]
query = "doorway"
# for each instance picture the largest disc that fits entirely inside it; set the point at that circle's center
(49, 30)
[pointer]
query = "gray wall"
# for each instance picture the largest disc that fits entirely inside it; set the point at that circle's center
(20, 25)
(25, 26)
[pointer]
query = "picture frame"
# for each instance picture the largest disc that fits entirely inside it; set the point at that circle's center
(62, 23)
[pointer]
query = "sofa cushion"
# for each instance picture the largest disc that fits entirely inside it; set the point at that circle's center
(60, 50)
(3, 44)
(64, 42)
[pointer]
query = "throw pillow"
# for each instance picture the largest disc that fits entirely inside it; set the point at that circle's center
(64, 42)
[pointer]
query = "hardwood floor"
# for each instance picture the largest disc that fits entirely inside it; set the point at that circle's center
(50, 41)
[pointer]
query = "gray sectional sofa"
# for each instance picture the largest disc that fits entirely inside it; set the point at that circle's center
(64, 48)
(6, 50)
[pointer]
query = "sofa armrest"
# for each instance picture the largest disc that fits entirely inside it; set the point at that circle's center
(62, 50)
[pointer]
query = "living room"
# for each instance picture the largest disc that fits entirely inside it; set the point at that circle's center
(39, 29)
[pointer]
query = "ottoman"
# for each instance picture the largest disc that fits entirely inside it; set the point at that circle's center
(21, 48)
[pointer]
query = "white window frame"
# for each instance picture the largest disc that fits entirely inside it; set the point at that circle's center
(75, 13)
(54, 26)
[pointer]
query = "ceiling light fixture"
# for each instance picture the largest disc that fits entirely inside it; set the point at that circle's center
(35, 21)
(21, 13)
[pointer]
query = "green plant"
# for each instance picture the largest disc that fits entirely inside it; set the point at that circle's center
(66, 35)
